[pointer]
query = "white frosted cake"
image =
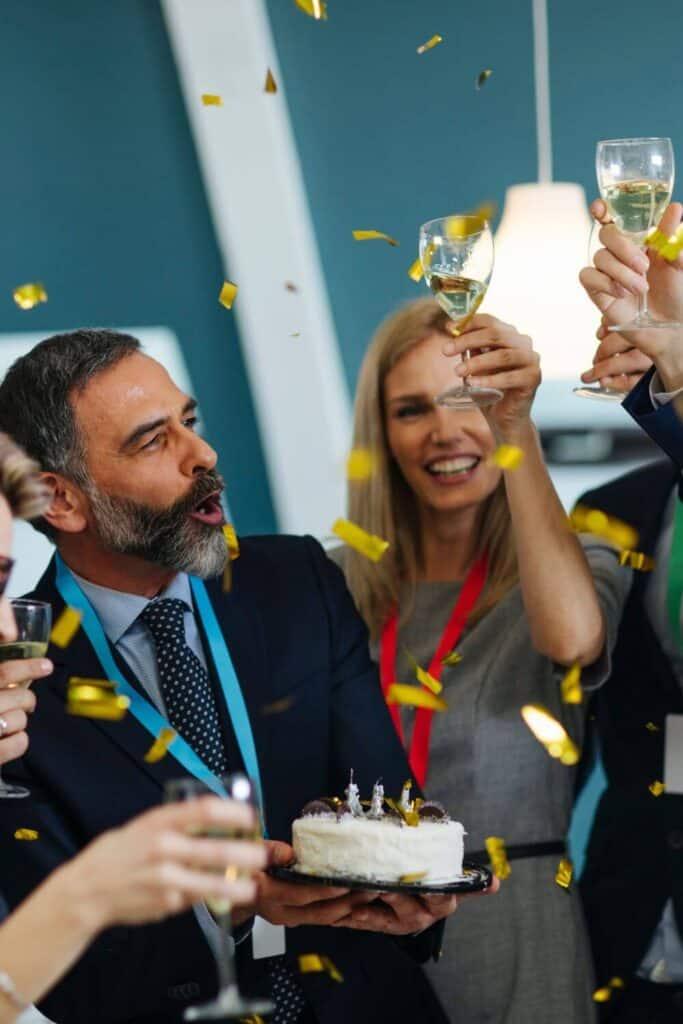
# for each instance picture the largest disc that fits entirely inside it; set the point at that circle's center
(389, 841)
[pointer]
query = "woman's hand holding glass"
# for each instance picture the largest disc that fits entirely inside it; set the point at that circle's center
(158, 864)
(620, 275)
(502, 358)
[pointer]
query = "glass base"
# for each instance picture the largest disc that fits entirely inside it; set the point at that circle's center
(8, 792)
(600, 393)
(469, 397)
(644, 323)
(229, 1004)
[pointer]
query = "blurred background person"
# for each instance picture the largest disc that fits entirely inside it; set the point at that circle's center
(469, 542)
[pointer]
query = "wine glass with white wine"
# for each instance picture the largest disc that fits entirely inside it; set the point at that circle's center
(456, 254)
(34, 622)
(229, 1003)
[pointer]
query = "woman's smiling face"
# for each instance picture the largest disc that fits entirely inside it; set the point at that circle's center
(442, 453)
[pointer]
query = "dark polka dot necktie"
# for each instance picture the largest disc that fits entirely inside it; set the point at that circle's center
(185, 684)
(191, 709)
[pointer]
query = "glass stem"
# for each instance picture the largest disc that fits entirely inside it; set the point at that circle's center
(225, 959)
(465, 381)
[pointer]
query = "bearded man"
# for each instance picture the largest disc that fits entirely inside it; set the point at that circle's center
(136, 518)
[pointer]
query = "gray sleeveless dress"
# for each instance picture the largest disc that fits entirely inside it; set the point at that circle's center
(521, 956)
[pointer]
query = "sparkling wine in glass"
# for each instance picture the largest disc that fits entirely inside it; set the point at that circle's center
(34, 622)
(456, 254)
(229, 1003)
(636, 179)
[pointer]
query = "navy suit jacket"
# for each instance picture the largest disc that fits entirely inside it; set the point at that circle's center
(634, 860)
(663, 424)
(293, 633)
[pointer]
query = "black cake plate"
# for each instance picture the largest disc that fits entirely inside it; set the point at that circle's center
(474, 878)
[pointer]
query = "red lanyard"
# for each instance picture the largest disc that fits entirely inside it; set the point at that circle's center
(419, 746)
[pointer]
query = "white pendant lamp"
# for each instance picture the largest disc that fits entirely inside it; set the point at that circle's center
(541, 244)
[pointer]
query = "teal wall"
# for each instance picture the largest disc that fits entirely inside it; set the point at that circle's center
(102, 200)
(389, 139)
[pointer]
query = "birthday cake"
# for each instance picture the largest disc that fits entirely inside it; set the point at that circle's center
(383, 840)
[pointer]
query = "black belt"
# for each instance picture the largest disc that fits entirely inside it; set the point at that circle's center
(521, 852)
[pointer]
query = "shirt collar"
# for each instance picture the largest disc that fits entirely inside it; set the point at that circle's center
(118, 611)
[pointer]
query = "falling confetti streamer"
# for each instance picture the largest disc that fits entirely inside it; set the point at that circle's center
(550, 733)
(313, 963)
(210, 99)
(571, 686)
(361, 465)
(95, 698)
(66, 627)
(595, 521)
(271, 84)
(656, 787)
(426, 678)
(483, 77)
(637, 560)
(507, 456)
(415, 696)
(29, 295)
(231, 541)
(227, 294)
(454, 658)
(360, 540)
(603, 995)
(313, 8)
(651, 727)
(159, 748)
(26, 833)
(430, 44)
(368, 236)
(500, 865)
(278, 707)
(415, 271)
(564, 873)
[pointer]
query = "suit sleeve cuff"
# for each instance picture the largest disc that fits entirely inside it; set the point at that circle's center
(659, 397)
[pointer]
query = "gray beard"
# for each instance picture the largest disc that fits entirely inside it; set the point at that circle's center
(168, 538)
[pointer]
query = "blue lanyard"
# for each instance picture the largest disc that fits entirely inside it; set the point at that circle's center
(143, 710)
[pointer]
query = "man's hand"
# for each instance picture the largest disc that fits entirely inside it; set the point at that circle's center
(17, 702)
(622, 272)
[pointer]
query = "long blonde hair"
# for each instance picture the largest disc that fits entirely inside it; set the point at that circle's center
(20, 481)
(385, 505)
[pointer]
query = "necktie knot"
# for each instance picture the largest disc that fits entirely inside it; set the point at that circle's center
(165, 617)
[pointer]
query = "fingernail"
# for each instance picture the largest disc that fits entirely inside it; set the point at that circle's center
(45, 665)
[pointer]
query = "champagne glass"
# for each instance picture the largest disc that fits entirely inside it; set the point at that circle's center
(636, 179)
(597, 391)
(456, 254)
(34, 621)
(229, 1003)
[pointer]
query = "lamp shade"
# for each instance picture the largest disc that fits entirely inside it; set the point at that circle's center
(541, 244)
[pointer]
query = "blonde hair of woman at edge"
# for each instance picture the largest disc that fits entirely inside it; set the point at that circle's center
(20, 481)
(385, 504)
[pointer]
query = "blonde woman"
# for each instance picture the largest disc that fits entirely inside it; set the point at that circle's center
(139, 873)
(482, 560)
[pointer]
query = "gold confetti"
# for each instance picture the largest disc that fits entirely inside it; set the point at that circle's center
(29, 295)
(415, 271)
(483, 77)
(571, 686)
(271, 84)
(486, 210)
(367, 236)
(507, 456)
(637, 560)
(500, 865)
(254, 1019)
(593, 520)
(564, 873)
(160, 746)
(603, 995)
(550, 733)
(408, 814)
(277, 707)
(227, 294)
(452, 659)
(210, 99)
(651, 727)
(26, 833)
(360, 540)
(668, 248)
(656, 787)
(428, 680)
(66, 626)
(313, 8)
(430, 44)
(312, 963)
(361, 464)
(412, 877)
(295, 334)
(415, 696)
(95, 698)
(231, 540)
